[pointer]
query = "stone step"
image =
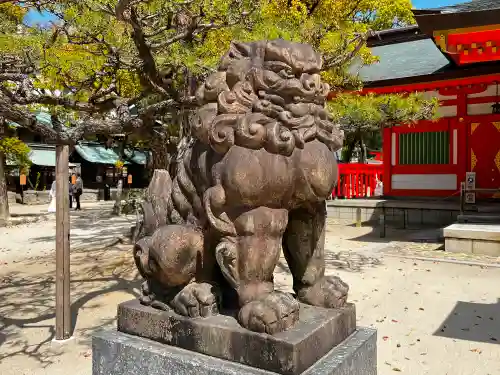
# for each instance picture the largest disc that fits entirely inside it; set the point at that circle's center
(492, 208)
(473, 239)
(479, 218)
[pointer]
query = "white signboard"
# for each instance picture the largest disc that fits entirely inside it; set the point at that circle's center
(470, 198)
(470, 180)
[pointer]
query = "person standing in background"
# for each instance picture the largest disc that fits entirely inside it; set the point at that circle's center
(71, 187)
(78, 191)
(52, 193)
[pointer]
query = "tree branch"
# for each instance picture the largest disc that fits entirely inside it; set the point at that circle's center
(359, 41)
(199, 28)
(26, 95)
(25, 119)
(17, 77)
(313, 7)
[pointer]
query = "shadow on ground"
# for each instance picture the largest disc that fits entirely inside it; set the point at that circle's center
(94, 229)
(27, 301)
(344, 260)
(370, 234)
(479, 322)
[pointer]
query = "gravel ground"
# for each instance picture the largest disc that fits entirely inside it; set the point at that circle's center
(432, 318)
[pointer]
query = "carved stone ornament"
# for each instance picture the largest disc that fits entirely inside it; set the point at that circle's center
(252, 183)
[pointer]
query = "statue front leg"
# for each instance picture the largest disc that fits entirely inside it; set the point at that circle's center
(177, 271)
(248, 260)
(304, 249)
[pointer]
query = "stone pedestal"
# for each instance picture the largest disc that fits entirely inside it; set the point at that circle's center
(154, 342)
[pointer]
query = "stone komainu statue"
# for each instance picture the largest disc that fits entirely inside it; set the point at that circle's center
(253, 182)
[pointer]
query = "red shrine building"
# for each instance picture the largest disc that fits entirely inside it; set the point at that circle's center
(453, 54)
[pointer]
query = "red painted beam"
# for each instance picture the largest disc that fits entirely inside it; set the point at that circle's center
(463, 89)
(473, 47)
(483, 99)
(427, 86)
(423, 126)
(478, 37)
(474, 57)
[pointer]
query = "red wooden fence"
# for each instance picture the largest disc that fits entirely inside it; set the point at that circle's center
(357, 180)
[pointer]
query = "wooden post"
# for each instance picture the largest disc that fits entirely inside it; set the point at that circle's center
(63, 303)
(118, 199)
(358, 217)
(4, 195)
(382, 223)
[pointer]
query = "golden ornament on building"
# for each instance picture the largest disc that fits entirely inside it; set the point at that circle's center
(473, 160)
(497, 160)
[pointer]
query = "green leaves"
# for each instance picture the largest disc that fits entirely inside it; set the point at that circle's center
(371, 112)
(150, 52)
(11, 15)
(16, 151)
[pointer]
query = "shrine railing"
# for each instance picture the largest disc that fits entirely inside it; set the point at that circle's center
(358, 180)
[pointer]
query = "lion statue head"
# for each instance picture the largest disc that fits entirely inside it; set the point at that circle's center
(266, 94)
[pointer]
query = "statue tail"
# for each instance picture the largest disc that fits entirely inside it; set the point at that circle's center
(141, 257)
(157, 205)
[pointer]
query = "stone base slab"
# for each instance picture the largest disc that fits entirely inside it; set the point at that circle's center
(117, 353)
(481, 239)
(221, 336)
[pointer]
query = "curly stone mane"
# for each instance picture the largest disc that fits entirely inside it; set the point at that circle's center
(266, 94)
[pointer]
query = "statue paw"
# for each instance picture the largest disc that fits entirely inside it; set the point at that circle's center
(276, 312)
(329, 291)
(196, 300)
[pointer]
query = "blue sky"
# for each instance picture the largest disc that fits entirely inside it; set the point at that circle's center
(34, 17)
(435, 3)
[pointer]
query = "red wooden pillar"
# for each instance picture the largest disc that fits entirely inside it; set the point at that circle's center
(387, 148)
(459, 128)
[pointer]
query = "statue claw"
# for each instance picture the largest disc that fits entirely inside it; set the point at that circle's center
(329, 292)
(276, 312)
(197, 300)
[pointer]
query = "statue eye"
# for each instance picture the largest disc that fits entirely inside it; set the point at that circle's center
(286, 73)
(280, 68)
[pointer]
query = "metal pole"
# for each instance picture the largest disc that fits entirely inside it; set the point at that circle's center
(63, 303)
(462, 188)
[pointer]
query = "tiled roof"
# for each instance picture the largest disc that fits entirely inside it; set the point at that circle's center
(43, 117)
(402, 60)
(43, 155)
(137, 156)
(98, 154)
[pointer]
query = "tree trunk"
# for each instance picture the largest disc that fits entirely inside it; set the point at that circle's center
(160, 158)
(362, 147)
(349, 147)
(185, 137)
(4, 198)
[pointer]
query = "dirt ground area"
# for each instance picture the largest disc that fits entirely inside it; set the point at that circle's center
(93, 227)
(432, 317)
